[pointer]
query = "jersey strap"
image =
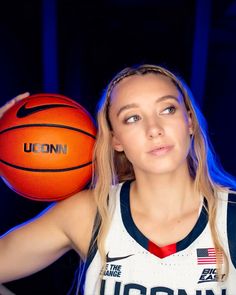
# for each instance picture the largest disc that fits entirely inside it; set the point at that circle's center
(81, 273)
(231, 227)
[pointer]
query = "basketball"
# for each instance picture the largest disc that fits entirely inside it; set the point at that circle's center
(46, 146)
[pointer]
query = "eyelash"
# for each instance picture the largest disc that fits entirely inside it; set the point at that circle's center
(137, 117)
(173, 108)
(134, 116)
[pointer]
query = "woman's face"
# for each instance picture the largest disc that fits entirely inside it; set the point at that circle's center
(150, 123)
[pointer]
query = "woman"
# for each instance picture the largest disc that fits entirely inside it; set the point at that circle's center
(163, 223)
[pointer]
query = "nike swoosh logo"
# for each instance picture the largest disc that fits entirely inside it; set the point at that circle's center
(111, 259)
(24, 112)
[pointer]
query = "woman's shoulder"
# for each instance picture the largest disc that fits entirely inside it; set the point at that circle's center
(81, 203)
(79, 200)
(76, 215)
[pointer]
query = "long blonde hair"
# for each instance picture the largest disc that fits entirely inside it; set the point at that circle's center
(111, 167)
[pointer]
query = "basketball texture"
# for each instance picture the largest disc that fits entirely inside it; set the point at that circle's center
(46, 146)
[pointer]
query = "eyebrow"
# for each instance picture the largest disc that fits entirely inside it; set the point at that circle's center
(134, 105)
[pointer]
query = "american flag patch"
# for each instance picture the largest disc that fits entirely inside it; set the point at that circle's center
(208, 256)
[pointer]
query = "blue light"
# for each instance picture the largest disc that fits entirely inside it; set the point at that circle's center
(49, 43)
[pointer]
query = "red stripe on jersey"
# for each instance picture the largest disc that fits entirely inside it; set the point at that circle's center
(161, 252)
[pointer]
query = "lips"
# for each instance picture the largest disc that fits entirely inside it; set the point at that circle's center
(161, 150)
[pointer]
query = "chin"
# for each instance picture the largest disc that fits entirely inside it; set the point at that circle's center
(165, 169)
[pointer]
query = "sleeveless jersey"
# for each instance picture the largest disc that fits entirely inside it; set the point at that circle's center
(136, 266)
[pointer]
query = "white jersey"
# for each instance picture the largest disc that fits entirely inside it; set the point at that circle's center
(136, 266)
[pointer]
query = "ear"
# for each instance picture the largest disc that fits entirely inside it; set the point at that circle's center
(117, 146)
(190, 123)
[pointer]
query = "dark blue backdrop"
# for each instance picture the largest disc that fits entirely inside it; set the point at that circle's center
(74, 49)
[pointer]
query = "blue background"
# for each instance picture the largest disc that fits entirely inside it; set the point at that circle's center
(75, 47)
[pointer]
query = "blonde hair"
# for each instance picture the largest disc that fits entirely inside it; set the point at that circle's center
(111, 167)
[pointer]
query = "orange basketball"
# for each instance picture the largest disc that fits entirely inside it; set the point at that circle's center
(46, 145)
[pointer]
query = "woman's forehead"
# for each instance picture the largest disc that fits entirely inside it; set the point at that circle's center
(135, 85)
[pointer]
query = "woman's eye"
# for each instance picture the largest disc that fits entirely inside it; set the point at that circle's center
(169, 110)
(132, 119)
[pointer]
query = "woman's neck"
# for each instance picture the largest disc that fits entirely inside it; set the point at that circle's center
(166, 194)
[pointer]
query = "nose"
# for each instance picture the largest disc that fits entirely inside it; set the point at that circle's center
(154, 129)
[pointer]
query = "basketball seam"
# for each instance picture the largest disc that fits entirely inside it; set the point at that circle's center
(48, 125)
(46, 170)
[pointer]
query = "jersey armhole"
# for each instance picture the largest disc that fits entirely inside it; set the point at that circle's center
(80, 274)
(231, 227)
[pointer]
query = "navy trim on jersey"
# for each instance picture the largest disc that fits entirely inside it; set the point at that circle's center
(231, 227)
(91, 253)
(127, 217)
(138, 235)
(196, 231)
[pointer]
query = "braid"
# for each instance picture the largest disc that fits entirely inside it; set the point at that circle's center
(144, 69)
(138, 70)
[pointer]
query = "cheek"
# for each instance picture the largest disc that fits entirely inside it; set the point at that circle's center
(185, 141)
(127, 133)
(180, 132)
